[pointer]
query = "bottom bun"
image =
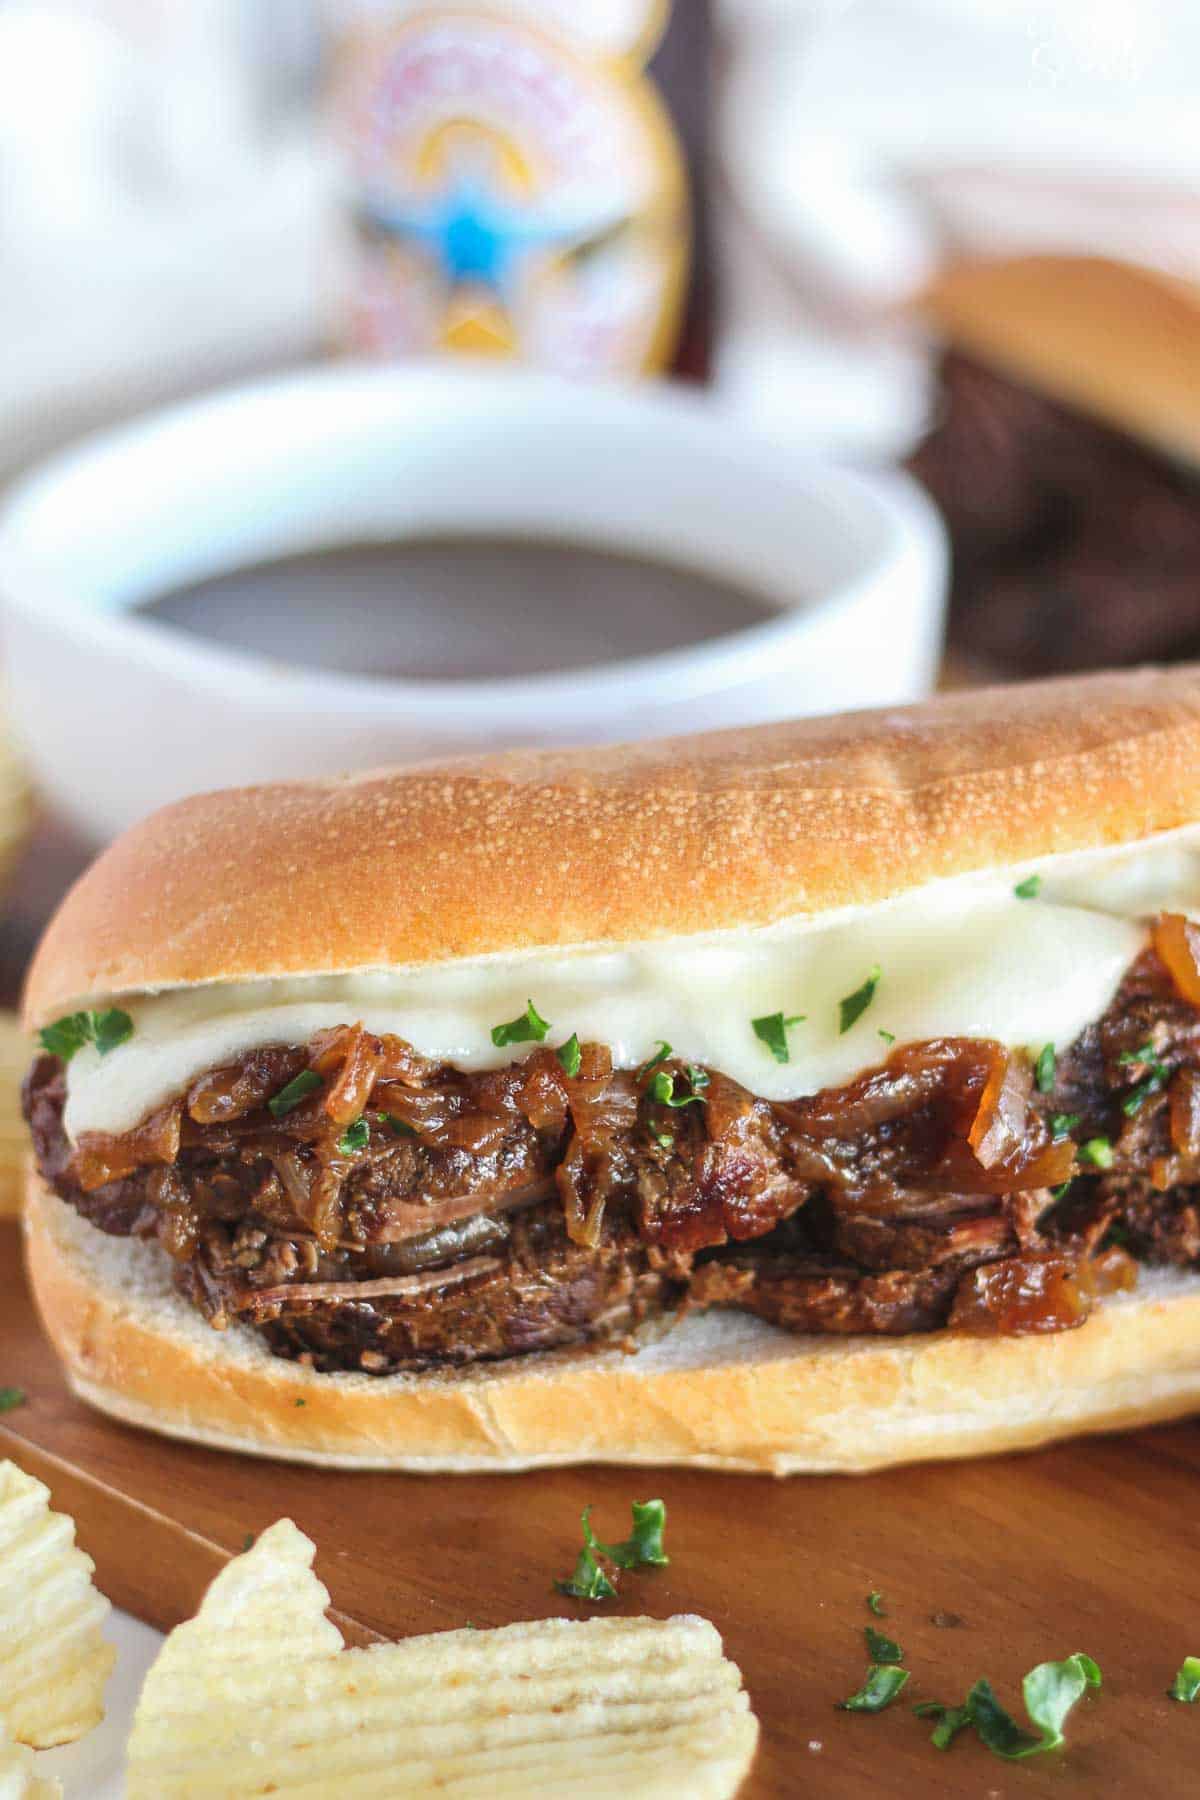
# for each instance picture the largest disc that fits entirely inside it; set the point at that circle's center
(721, 1391)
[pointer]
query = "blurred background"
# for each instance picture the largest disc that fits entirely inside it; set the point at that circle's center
(581, 372)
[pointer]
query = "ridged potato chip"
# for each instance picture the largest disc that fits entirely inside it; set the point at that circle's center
(53, 1661)
(257, 1695)
(19, 1779)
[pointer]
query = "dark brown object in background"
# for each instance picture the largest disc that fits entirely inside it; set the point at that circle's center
(1081, 1548)
(682, 69)
(1075, 547)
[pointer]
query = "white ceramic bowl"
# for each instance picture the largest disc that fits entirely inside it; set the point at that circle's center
(119, 714)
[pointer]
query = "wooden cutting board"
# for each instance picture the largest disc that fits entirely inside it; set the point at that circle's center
(986, 1568)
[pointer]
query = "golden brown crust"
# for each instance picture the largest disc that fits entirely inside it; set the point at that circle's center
(557, 848)
(719, 1392)
(1107, 338)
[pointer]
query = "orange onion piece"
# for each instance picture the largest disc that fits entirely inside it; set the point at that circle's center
(100, 1157)
(1177, 942)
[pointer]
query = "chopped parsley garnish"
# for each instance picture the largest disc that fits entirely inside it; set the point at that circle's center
(1044, 1069)
(644, 1545)
(570, 1056)
(356, 1137)
(11, 1398)
(401, 1127)
(248, 1541)
(1186, 1685)
(950, 1721)
(1137, 1097)
(1028, 889)
(664, 1139)
(852, 1008)
(530, 1028)
(1156, 1078)
(1099, 1152)
(1063, 1124)
(875, 1604)
(662, 1088)
(1063, 1188)
(1050, 1691)
(643, 1548)
(298, 1089)
(882, 1649)
(105, 1029)
(884, 1681)
(660, 1056)
(889, 1037)
(772, 1030)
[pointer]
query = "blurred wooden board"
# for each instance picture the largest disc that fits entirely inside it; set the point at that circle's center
(1091, 1547)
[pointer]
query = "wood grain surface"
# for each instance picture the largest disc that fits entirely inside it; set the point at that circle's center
(986, 1569)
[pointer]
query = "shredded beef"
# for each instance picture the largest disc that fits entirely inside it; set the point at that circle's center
(487, 1215)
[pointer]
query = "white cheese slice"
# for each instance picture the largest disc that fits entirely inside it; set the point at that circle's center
(963, 957)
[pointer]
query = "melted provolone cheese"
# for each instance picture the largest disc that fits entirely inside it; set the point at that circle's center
(964, 957)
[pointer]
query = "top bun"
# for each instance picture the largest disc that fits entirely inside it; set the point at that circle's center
(1107, 338)
(556, 848)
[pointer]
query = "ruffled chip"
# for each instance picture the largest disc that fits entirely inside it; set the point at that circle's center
(256, 1695)
(19, 1779)
(53, 1661)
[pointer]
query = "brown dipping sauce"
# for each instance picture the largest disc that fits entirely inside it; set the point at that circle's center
(459, 608)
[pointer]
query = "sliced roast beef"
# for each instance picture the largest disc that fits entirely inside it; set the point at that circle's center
(402, 1213)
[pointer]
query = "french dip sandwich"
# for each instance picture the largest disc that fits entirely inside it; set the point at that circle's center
(821, 1096)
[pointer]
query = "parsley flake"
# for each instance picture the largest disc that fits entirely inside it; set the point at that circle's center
(11, 1398)
(105, 1029)
(401, 1127)
(570, 1056)
(1063, 1124)
(1050, 1691)
(852, 1008)
(660, 1056)
(643, 1548)
(1029, 889)
(1045, 1068)
(1186, 1685)
(772, 1030)
(530, 1028)
(889, 1037)
(662, 1088)
(950, 1721)
(883, 1682)
(1099, 1152)
(875, 1604)
(299, 1088)
(882, 1649)
(356, 1137)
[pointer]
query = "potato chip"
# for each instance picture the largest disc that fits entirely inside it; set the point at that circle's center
(256, 1695)
(19, 1779)
(53, 1661)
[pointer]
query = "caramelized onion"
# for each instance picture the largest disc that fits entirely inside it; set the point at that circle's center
(1177, 942)
(101, 1157)
(1019, 1296)
(1000, 1127)
(360, 1056)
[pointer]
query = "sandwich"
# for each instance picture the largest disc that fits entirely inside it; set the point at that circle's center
(1065, 456)
(814, 1097)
